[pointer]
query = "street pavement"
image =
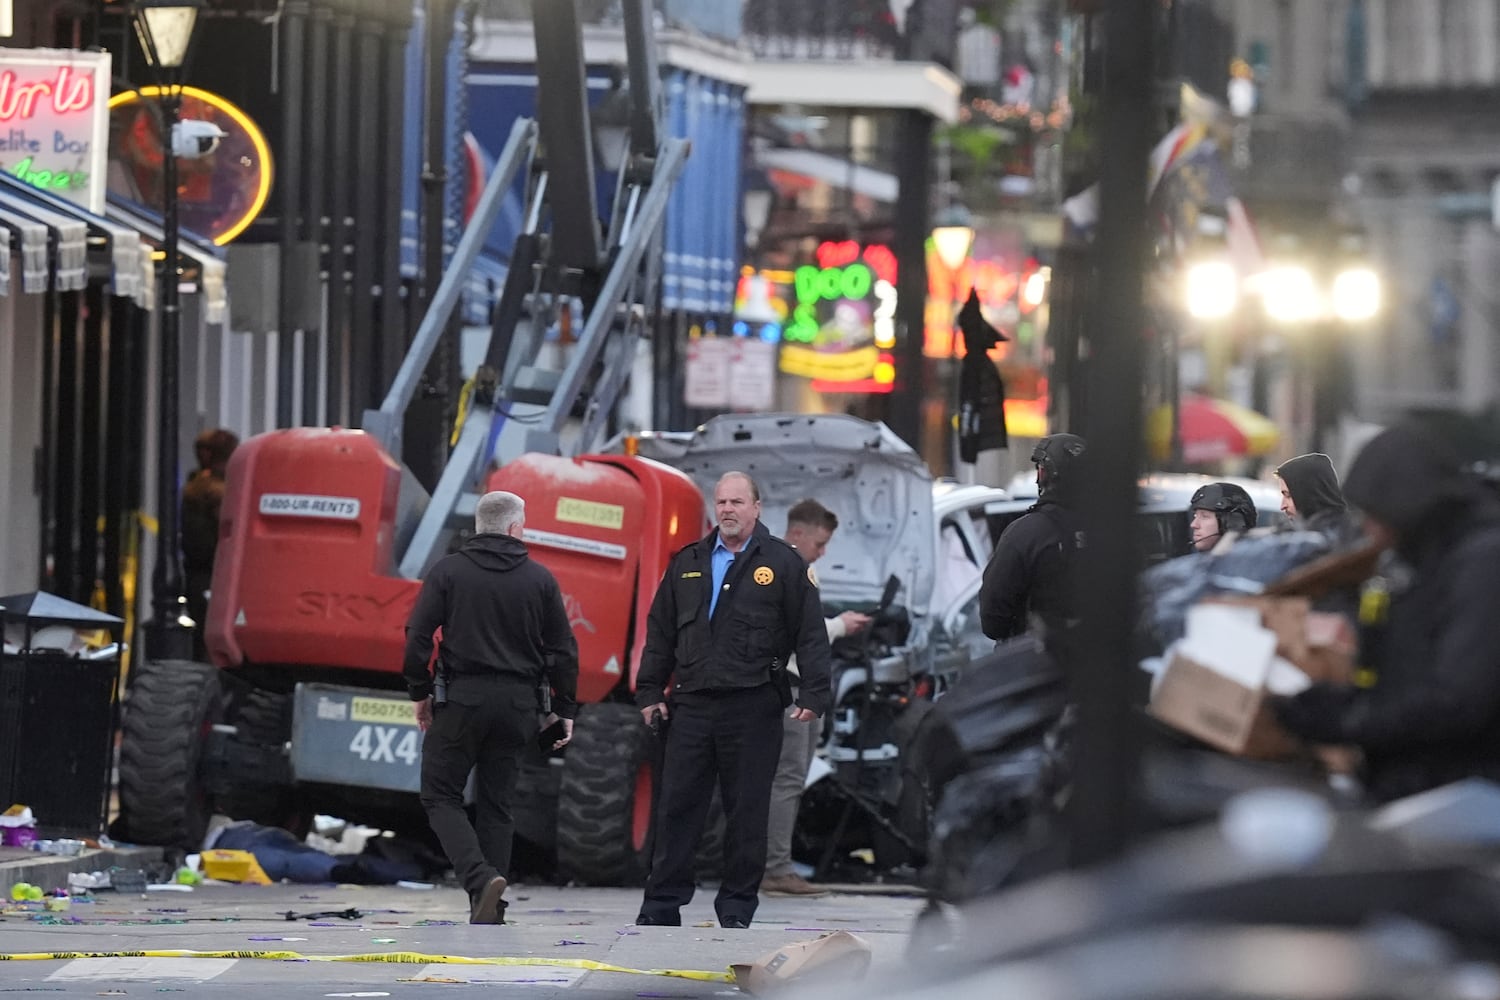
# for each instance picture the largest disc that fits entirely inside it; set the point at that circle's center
(427, 930)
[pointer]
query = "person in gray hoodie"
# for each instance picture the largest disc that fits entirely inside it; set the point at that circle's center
(1312, 501)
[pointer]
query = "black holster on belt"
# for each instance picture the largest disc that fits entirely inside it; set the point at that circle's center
(439, 683)
(781, 681)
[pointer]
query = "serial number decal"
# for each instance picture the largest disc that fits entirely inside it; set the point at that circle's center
(307, 505)
(403, 713)
(591, 512)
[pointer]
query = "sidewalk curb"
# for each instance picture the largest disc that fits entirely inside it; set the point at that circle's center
(51, 871)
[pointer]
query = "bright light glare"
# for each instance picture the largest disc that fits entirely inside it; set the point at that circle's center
(1356, 295)
(1035, 289)
(953, 244)
(1290, 294)
(1212, 290)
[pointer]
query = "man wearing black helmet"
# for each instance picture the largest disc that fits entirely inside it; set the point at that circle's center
(1028, 580)
(1216, 510)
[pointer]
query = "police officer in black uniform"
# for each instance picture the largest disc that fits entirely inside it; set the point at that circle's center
(729, 612)
(1216, 510)
(1028, 579)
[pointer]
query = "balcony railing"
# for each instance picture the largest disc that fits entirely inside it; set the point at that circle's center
(719, 19)
(820, 29)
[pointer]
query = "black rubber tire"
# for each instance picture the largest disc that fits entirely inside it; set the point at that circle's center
(162, 798)
(263, 718)
(597, 842)
(923, 742)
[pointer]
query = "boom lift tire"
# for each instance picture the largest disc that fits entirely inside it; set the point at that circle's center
(264, 719)
(604, 802)
(163, 800)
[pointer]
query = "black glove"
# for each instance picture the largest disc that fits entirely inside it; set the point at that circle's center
(1318, 715)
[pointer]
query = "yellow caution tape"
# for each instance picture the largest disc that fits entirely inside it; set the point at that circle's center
(393, 957)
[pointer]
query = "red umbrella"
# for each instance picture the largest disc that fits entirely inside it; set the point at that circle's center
(1211, 429)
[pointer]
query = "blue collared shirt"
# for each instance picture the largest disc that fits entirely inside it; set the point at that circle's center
(719, 563)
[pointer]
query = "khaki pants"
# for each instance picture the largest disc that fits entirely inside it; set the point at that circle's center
(799, 744)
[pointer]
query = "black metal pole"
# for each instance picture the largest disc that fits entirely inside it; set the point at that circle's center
(91, 405)
(315, 195)
(289, 179)
(364, 388)
(339, 194)
(1107, 750)
(393, 326)
(425, 432)
(914, 177)
(435, 166)
(65, 485)
(169, 637)
(116, 428)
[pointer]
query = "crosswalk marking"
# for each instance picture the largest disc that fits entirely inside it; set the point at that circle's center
(96, 969)
(537, 975)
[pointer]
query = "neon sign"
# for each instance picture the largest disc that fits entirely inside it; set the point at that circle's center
(842, 327)
(53, 126)
(222, 193)
(68, 92)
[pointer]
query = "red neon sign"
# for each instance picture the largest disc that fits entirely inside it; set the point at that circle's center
(69, 92)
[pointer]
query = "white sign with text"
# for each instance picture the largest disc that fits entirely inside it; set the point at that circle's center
(54, 121)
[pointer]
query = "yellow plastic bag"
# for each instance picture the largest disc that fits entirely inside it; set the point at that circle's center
(234, 866)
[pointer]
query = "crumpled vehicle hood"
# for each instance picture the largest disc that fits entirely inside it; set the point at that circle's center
(878, 486)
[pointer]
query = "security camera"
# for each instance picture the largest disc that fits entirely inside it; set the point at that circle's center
(192, 139)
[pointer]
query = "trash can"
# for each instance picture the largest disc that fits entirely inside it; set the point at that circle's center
(59, 711)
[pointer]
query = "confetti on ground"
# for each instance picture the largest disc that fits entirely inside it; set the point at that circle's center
(382, 940)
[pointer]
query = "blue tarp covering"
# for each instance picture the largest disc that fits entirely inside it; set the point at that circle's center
(702, 242)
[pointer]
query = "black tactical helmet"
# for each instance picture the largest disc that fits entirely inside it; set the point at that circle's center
(1056, 458)
(1232, 506)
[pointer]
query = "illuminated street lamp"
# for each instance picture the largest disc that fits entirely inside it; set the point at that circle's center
(953, 236)
(165, 29)
(1290, 294)
(1356, 295)
(1211, 289)
(1034, 292)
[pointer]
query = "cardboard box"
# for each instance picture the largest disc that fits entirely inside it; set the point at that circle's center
(1331, 649)
(1219, 710)
(839, 957)
(1320, 644)
(1284, 616)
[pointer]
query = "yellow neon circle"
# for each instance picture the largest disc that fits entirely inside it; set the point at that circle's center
(257, 139)
(885, 372)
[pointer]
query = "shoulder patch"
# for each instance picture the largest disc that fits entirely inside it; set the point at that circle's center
(812, 575)
(763, 575)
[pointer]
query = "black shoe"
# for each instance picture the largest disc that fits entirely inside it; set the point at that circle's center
(646, 920)
(734, 923)
(488, 907)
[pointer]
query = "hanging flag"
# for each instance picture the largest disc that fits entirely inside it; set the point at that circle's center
(981, 391)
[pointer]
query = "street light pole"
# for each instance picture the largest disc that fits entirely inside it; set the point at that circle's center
(165, 30)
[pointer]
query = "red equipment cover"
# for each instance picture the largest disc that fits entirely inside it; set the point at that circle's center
(605, 525)
(305, 567)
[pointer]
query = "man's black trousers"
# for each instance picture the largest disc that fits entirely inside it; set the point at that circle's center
(734, 738)
(486, 723)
